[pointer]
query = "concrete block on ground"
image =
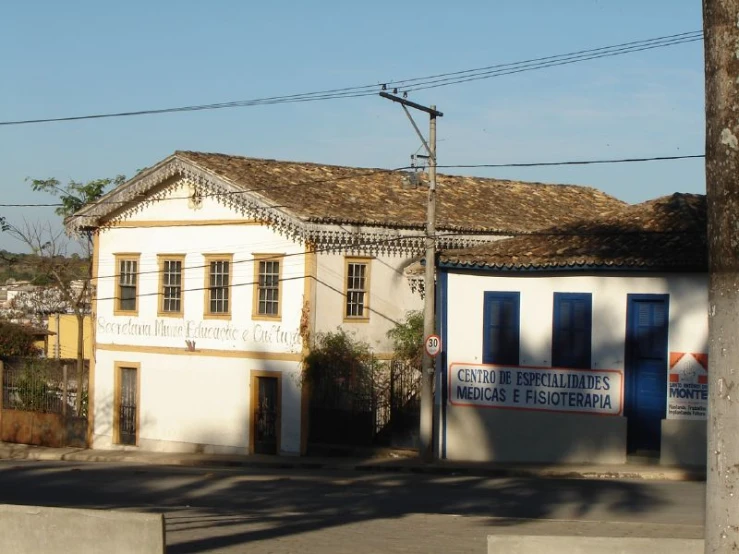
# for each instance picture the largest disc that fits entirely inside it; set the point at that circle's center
(683, 442)
(533, 544)
(41, 530)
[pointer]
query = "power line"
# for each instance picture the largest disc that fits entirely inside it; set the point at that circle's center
(380, 242)
(409, 85)
(565, 60)
(372, 172)
(159, 292)
(229, 193)
(360, 246)
(579, 162)
(668, 40)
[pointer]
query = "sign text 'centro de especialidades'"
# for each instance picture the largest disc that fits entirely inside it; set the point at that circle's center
(593, 391)
(188, 329)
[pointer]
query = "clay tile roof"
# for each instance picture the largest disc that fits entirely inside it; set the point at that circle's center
(668, 233)
(376, 197)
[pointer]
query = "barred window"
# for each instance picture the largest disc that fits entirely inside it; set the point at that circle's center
(127, 283)
(357, 289)
(268, 287)
(171, 284)
(218, 286)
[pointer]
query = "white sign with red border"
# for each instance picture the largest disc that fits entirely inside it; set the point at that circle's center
(550, 389)
(687, 387)
(432, 345)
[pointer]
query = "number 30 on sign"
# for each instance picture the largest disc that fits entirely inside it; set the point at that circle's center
(433, 345)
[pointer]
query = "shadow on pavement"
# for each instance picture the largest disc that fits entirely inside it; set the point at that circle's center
(214, 509)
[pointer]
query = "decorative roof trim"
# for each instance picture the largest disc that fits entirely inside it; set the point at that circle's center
(136, 194)
(569, 267)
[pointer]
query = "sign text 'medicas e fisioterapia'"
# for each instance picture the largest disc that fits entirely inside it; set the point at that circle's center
(550, 389)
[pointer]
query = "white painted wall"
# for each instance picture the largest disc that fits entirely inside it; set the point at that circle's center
(191, 403)
(176, 206)
(192, 400)
(195, 401)
(243, 241)
(495, 434)
(688, 313)
(390, 298)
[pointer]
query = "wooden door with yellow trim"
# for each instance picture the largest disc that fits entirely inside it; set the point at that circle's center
(266, 415)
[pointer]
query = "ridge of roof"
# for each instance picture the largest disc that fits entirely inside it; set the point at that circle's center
(297, 195)
(194, 155)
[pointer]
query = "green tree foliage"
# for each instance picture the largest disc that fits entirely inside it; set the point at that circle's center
(48, 245)
(407, 337)
(75, 194)
(341, 369)
(15, 340)
(34, 392)
(338, 354)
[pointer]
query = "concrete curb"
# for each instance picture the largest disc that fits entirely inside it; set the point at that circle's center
(545, 473)
(389, 465)
(533, 544)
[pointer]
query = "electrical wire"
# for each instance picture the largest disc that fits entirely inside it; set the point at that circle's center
(406, 85)
(578, 162)
(373, 244)
(372, 172)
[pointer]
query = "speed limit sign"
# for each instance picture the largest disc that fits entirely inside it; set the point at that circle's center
(433, 345)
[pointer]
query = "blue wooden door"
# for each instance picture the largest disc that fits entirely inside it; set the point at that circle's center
(646, 369)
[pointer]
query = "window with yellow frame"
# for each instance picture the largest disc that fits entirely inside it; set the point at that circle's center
(267, 286)
(171, 284)
(356, 288)
(127, 284)
(218, 276)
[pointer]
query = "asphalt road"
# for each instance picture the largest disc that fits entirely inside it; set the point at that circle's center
(270, 511)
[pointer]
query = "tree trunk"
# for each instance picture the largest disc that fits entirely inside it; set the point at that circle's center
(80, 359)
(721, 25)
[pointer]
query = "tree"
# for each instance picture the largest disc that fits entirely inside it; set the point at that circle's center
(16, 340)
(72, 277)
(407, 337)
(75, 194)
(721, 31)
(342, 371)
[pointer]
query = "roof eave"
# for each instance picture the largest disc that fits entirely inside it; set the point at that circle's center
(571, 267)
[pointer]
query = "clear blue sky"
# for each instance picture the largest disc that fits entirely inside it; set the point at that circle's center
(80, 57)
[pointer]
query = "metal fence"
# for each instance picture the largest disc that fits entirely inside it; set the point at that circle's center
(44, 385)
(367, 407)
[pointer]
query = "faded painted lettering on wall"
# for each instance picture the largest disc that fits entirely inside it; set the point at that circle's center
(221, 332)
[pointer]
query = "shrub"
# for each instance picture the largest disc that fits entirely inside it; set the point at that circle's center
(15, 340)
(341, 369)
(407, 337)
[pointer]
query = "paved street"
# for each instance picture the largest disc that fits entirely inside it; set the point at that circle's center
(269, 511)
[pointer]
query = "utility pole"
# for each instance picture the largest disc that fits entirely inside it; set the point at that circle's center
(721, 31)
(425, 447)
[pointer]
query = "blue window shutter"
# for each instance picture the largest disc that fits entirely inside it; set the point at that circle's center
(572, 330)
(648, 316)
(501, 328)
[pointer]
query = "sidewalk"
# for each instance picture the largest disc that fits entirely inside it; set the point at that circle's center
(382, 461)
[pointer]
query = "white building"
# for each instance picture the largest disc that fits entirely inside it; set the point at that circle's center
(585, 343)
(212, 270)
